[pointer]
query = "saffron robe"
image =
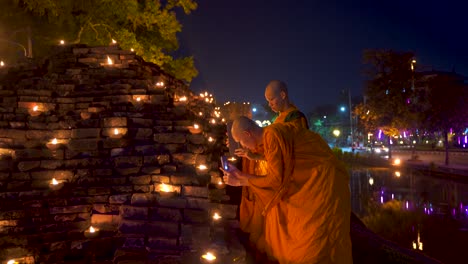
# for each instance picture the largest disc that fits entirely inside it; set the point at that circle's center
(306, 198)
(250, 210)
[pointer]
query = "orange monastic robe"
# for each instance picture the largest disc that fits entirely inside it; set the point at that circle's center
(306, 198)
(251, 218)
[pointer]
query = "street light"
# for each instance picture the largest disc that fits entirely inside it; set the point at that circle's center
(336, 133)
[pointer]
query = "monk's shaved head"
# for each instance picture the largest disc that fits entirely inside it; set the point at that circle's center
(245, 131)
(276, 86)
(276, 93)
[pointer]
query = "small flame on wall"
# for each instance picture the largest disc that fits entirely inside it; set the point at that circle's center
(109, 61)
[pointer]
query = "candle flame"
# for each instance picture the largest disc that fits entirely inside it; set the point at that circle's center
(183, 99)
(35, 108)
(210, 139)
(200, 113)
(216, 216)
(62, 42)
(132, 50)
(109, 61)
(220, 182)
(213, 121)
(138, 99)
(232, 159)
(91, 229)
(202, 167)
(2, 63)
(196, 126)
(116, 131)
(209, 256)
(160, 84)
(54, 181)
(206, 93)
(207, 100)
(54, 141)
(12, 261)
(165, 188)
(113, 41)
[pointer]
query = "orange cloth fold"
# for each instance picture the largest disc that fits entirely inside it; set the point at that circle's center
(306, 197)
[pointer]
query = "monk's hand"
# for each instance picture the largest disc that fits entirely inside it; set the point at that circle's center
(231, 176)
(241, 152)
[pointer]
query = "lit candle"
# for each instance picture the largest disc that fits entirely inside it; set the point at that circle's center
(54, 141)
(109, 61)
(200, 113)
(2, 63)
(232, 159)
(183, 99)
(116, 131)
(165, 188)
(35, 108)
(113, 41)
(397, 173)
(202, 167)
(216, 216)
(210, 139)
(213, 121)
(207, 100)
(12, 261)
(132, 50)
(55, 185)
(196, 126)
(209, 257)
(91, 232)
(138, 99)
(62, 42)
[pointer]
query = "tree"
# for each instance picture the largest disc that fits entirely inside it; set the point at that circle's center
(447, 97)
(149, 27)
(388, 92)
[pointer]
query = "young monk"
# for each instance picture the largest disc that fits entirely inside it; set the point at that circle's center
(251, 220)
(305, 195)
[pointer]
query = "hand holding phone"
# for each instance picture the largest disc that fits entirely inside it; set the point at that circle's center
(224, 163)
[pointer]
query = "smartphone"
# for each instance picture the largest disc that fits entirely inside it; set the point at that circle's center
(224, 163)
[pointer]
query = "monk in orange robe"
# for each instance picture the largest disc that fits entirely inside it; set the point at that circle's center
(253, 162)
(305, 195)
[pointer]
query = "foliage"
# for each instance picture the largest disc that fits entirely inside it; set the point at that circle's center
(447, 96)
(388, 91)
(150, 27)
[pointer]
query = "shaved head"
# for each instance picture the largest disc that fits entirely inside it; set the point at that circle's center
(277, 86)
(276, 93)
(245, 131)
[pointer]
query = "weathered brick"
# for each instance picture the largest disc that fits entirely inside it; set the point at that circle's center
(184, 158)
(49, 175)
(134, 212)
(142, 199)
(196, 191)
(165, 214)
(114, 122)
(85, 133)
(119, 199)
(145, 179)
(195, 216)
(151, 170)
(166, 138)
(164, 229)
(70, 209)
(28, 165)
(83, 144)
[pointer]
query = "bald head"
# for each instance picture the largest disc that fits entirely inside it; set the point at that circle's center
(245, 131)
(276, 93)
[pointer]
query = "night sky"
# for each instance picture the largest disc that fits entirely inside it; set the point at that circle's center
(315, 46)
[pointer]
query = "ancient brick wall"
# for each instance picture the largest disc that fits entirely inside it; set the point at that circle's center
(96, 137)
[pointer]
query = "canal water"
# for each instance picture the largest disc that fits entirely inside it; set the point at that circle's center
(423, 212)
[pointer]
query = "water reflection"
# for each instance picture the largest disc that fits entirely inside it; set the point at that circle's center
(413, 209)
(416, 191)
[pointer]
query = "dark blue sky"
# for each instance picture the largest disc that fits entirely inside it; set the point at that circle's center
(315, 46)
